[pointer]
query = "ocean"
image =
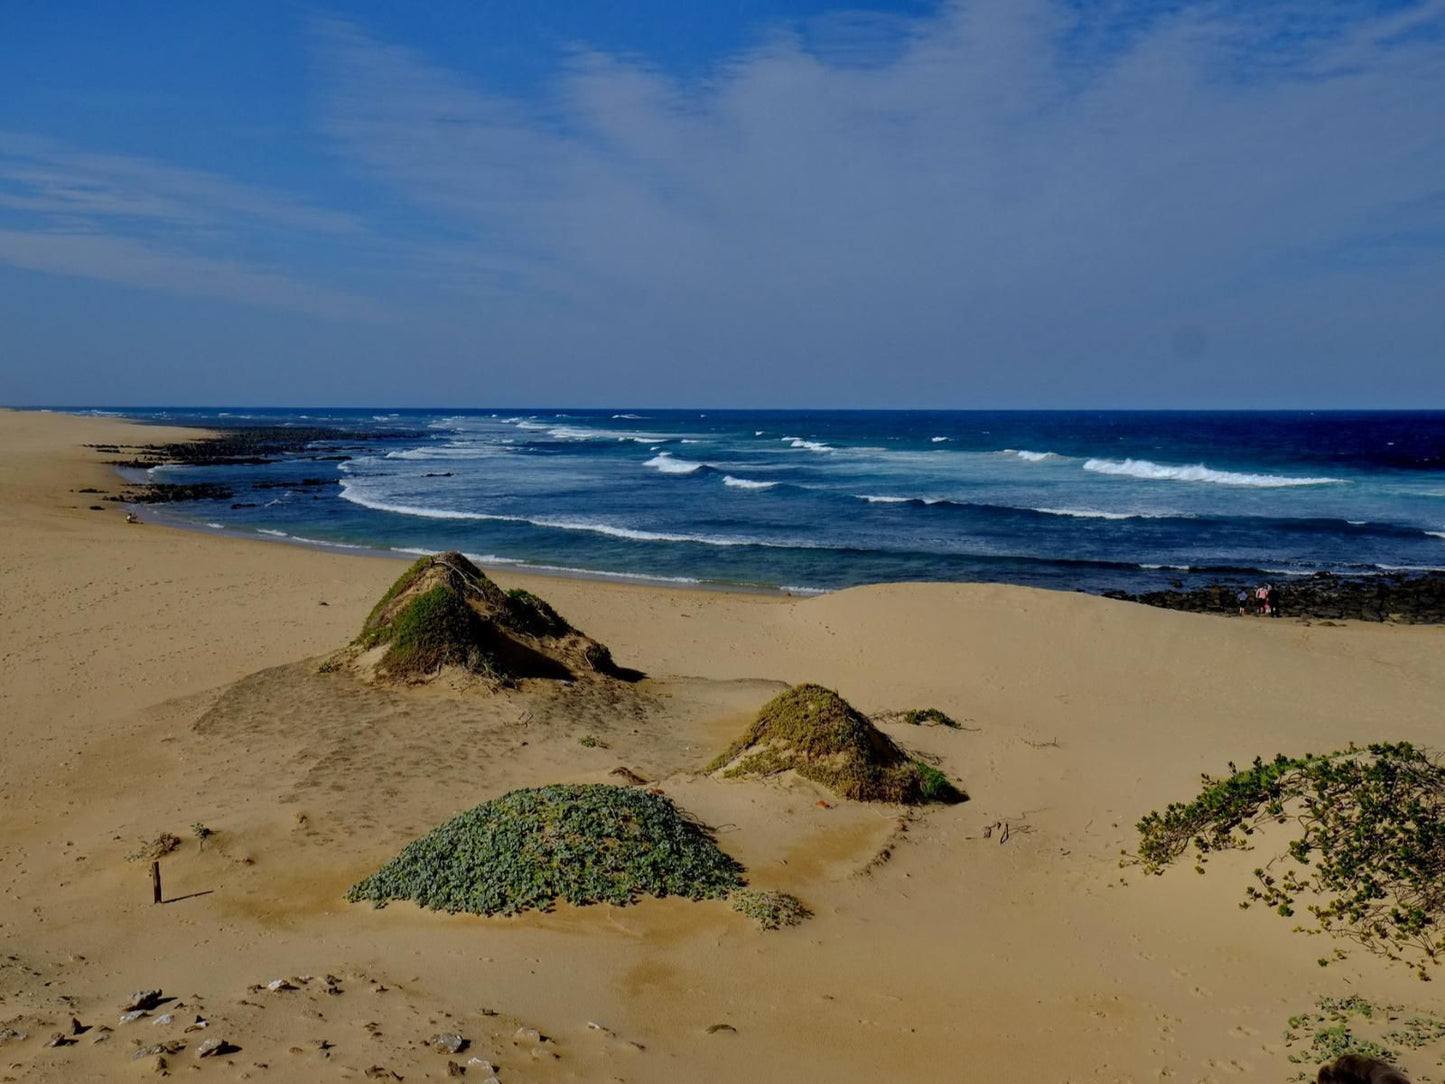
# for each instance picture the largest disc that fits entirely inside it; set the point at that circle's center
(820, 500)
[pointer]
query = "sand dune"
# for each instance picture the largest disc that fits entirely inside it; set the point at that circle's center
(152, 679)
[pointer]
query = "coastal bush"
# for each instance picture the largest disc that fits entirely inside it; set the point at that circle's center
(770, 910)
(582, 843)
(1370, 849)
(818, 734)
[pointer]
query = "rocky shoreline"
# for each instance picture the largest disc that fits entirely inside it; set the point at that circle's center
(1403, 598)
(242, 446)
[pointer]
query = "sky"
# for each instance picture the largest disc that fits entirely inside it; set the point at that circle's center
(757, 203)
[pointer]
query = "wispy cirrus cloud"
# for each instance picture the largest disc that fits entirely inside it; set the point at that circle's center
(1012, 181)
(139, 222)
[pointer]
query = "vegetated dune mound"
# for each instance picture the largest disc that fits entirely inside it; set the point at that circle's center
(444, 614)
(815, 732)
(582, 843)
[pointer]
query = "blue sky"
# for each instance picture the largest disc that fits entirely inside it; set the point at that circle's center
(993, 203)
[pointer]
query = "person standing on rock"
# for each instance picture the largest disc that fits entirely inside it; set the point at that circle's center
(1271, 597)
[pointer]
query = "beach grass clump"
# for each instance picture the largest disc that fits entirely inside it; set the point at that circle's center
(436, 628)
(534, 615)
(929, 717)
(581, 843)
(1368, 847)
(770, 910)
(444, 612)
(816, 733)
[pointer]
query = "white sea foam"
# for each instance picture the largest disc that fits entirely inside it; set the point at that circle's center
(274, 534)
(665, 463)
(1030, 457)
(872, 499)
(1177, 568)
(940, 440)
(215, 526)
(1143, 468)
(632, 417)
(1436, 534)
(1088, 513)
(591, 526)
(759, 432)
(746, 483)
(810, 445)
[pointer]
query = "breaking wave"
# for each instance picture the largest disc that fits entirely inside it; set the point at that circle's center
(1143, 468)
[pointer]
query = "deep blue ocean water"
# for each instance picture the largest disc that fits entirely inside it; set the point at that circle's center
(819, 500)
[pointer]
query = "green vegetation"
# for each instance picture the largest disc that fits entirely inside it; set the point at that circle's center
(436, 628)
(582, 843)
(1370, 848)
(443, 611)
(818, 734)
(533, 616)
(1355, 1025)
(929, 716)
(770, 910)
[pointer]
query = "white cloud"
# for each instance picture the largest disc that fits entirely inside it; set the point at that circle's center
(1002, 182)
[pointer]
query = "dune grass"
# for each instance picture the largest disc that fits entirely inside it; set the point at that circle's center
(816, 733)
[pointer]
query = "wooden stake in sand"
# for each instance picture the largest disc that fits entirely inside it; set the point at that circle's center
(156, 880)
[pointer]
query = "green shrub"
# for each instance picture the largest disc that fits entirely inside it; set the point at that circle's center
(582, 843)
(770, 910)
(1370, 848)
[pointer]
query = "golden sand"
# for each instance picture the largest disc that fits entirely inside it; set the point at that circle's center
(154, 678)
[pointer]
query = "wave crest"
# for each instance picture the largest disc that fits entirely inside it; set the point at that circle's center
(665, 463)
(1143, 468)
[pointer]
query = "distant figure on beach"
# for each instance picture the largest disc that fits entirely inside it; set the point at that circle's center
(1354, 1069)
(131, 517)
(1271, 599)
(1243, 599)
(1261, 599)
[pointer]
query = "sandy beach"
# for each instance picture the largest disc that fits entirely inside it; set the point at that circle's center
(152, 679)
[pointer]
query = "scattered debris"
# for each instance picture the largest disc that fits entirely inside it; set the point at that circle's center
(717, 1029)
(447, 1042)
(142, 999)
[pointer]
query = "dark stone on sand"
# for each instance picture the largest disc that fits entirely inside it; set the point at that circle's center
(170, 492)
(1397, 597)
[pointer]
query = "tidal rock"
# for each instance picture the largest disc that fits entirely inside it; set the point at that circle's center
(163, 1020)
(482, 1065)
(59, 1038)
(132, 1016)
(211, 1047)
(277, 985)
(12, 1035)
(453, 1069)
(527, 1035)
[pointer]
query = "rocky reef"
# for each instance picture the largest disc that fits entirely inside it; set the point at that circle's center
(1398, 597)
